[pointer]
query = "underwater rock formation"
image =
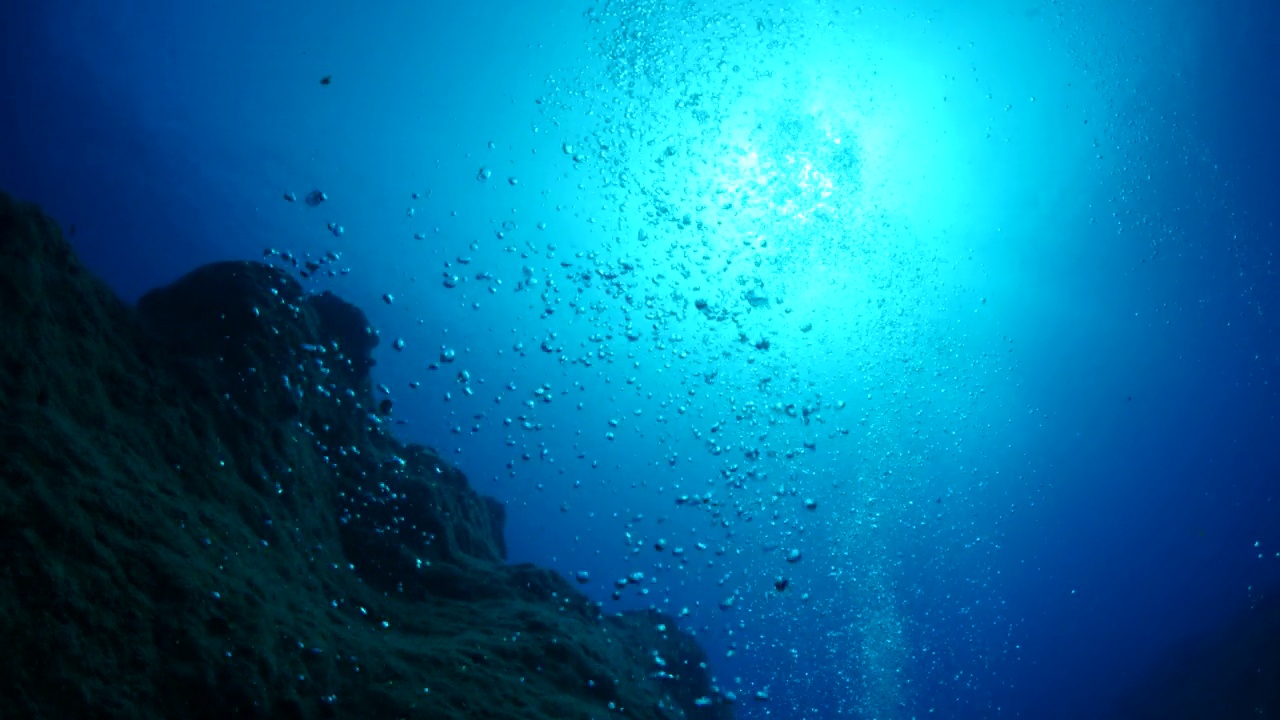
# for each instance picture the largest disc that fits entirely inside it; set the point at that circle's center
(203, 514)
(1230, 671)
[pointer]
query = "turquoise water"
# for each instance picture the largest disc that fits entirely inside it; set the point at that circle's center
(955, 317)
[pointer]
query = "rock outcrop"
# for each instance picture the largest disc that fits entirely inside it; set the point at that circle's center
(1227, 673)
(204, 514)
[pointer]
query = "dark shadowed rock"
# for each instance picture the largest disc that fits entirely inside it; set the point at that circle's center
(1228, 673)
(202, 515)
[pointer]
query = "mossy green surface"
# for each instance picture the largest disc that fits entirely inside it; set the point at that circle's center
(186, 533)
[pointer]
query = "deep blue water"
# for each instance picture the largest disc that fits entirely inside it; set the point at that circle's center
(992, 283)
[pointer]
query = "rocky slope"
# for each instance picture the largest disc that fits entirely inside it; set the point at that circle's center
(203, 514)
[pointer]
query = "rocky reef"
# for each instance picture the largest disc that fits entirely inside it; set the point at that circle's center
(204, 514)
(1229, 671)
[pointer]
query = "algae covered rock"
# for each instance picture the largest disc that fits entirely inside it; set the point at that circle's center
(204, 514)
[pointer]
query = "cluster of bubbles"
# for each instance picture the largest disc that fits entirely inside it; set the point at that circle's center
(750, 311)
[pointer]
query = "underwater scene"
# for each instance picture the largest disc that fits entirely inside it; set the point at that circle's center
(651, 359)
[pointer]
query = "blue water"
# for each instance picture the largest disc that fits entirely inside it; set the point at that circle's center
(992, 283)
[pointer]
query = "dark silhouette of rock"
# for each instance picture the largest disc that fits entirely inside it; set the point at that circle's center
(203, 515)
(1232, 673)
